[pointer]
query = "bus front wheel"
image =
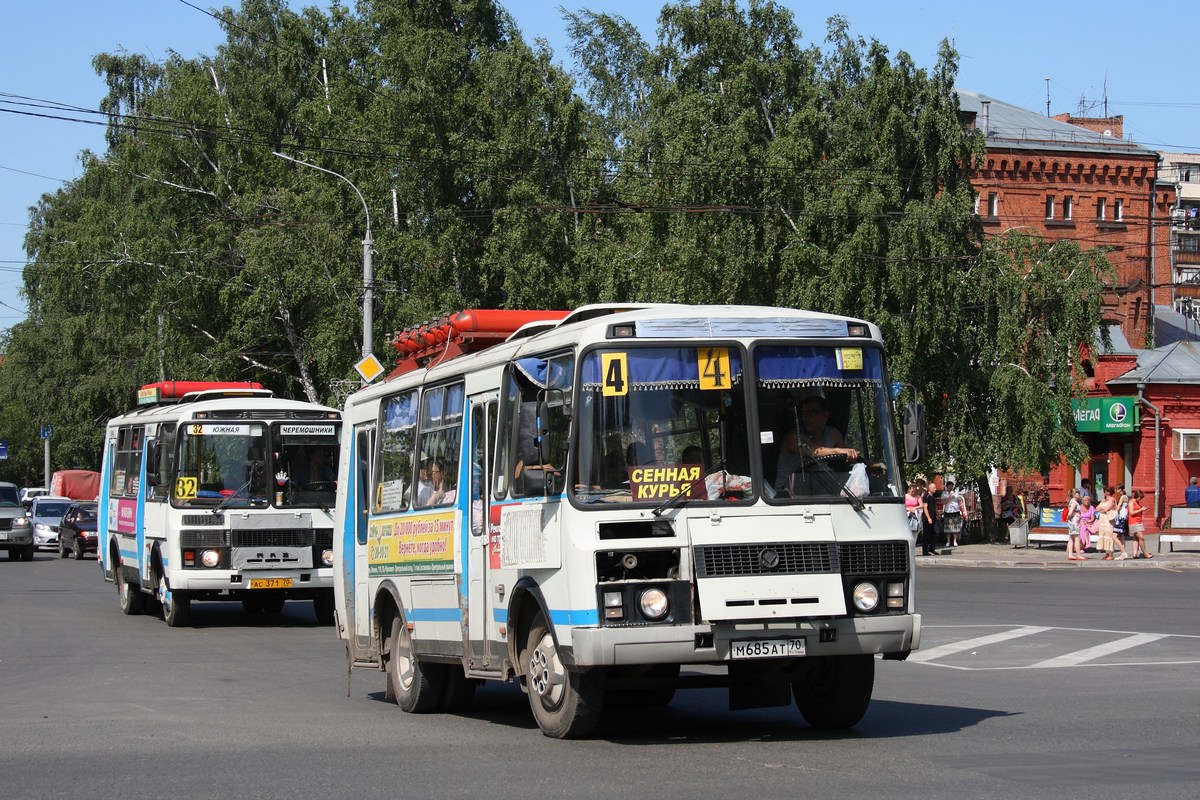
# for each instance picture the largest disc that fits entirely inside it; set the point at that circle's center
(176, 606)
(130, 597)
(833, 692)
(415, 685)
(565, 704)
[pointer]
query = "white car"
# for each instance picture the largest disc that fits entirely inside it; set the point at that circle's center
(44, 515)
(30, 492)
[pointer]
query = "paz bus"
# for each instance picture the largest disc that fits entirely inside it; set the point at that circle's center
(213, 491)
(592, 504)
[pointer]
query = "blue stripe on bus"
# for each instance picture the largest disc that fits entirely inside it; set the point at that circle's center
(435, 615)
(578, 616)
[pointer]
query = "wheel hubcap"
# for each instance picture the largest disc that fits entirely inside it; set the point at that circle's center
(403, 660)
(546, 673)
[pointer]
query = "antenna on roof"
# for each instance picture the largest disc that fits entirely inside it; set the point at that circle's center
(1047, 96)
(1104, 94)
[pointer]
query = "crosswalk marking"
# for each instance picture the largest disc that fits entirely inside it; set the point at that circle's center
(1099, 651)
(971, 644)
(1019, 647)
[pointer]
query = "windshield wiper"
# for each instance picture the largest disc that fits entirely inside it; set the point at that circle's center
(678, 499)
(829, 479)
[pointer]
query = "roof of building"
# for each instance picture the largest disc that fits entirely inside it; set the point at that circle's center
(1175, 363)
(1006, 125)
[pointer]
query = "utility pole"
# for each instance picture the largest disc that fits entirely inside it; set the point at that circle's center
(368, 312)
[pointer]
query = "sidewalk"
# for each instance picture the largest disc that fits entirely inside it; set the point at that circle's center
(1054, 556)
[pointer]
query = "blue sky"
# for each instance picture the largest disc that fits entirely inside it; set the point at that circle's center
(1007, 51)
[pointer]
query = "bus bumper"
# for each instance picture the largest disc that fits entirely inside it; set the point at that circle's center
(893, 636)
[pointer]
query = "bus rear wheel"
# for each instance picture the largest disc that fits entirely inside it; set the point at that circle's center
(565, 704)
(833, 692)
(415, 685)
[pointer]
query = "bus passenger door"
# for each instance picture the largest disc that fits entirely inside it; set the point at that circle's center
(480, 623)
(353, 565)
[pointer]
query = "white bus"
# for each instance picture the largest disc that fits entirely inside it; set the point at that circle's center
(595, 507)
(219, 491)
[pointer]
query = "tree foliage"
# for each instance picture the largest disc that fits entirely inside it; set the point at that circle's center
(728, 163)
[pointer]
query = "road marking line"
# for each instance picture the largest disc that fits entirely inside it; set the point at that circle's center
(970, 644)
(1099, 651)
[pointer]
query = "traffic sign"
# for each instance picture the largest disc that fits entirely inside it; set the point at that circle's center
(47, 431)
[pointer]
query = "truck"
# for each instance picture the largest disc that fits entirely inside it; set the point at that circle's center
(76, 484)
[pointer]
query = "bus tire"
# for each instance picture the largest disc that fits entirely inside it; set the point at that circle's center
(176, 606)
(459, 691)
(253, 605)
(833, 692)
(415, 685)
(130, 597)
(565, 704)
(323, 607)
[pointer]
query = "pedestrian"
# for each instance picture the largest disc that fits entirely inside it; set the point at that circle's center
(1085, 490)
(1074, 507)
(1106, 512)
(1087, 522)
(1010, 509)
(1191, 495)
(929, 520)
(1137, 529)
(912, 507)
(952, 514)
(1121, 522)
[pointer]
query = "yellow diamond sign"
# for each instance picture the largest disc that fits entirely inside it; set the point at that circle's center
(369, 368)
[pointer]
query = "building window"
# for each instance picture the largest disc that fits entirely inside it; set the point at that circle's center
(1101, 209)
(1119, 211)
(993, 208)
(1050, 207)
(1067, 205)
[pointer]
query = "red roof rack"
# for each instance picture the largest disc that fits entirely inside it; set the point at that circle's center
(173, 391)
(469, 331)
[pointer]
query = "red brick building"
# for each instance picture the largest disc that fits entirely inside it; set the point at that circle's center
(1072, 178)
(1065, 181)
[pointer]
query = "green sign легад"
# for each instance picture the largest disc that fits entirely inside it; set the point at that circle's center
(1105, 414)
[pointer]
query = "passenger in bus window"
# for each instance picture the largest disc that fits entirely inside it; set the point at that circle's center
(439, 489)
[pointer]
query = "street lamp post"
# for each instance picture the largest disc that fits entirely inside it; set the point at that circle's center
(368, 266)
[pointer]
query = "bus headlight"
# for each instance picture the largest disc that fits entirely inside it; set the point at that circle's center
(327, 558)
(895, 595)
(654, 604)
(866, 596)
(210, 558)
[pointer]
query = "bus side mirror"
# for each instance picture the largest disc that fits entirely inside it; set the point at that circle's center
(914, 432)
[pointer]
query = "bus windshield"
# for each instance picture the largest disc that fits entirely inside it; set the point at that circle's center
(657, 422)
(222, 463)
(286, 464)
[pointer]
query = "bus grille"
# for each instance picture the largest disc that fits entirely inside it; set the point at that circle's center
(868, 558)
(203, 519)
(282, 537)
(211, 537)
(787, 558)
(801, 558)
(323, 537)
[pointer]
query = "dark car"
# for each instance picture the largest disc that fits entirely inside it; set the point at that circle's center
(77, 531)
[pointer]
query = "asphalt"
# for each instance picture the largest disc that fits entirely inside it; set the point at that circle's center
(1054, 556)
